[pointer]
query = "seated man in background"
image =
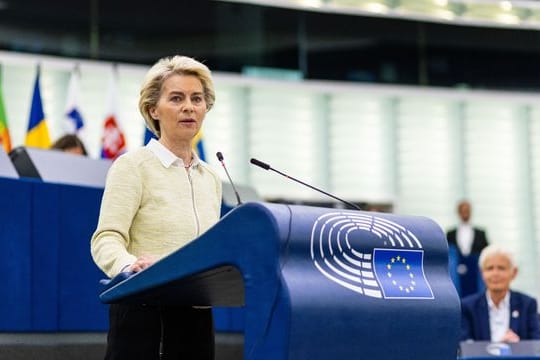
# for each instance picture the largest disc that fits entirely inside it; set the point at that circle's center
(499, 314)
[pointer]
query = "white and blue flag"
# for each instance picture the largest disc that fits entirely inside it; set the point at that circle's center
(74, 119)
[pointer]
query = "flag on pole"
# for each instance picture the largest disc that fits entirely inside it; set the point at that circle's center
(5, 140)
(148, 135)
(198, 145)
(37, 134)
(113, 141)
(74, 120)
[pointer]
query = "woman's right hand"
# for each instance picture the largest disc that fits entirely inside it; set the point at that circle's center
(142, 263)
(510, 337)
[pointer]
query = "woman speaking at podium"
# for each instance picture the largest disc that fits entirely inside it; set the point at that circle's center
(157, 199)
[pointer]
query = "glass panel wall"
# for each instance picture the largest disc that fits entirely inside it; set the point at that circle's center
(419, 149)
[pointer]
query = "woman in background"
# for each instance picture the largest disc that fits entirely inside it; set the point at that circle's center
(157, 199)
(70, 143)
(499, 314)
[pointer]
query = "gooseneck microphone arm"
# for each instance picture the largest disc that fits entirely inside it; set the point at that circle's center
(220, 158)
(265, 166)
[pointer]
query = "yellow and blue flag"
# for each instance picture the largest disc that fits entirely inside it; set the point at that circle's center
(38, 133)
(198, 146)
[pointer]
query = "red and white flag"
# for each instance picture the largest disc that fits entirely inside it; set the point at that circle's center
(113, 141)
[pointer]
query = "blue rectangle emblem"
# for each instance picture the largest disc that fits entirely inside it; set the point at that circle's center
(400, 273)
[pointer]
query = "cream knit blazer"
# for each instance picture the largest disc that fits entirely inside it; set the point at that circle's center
(150, 209)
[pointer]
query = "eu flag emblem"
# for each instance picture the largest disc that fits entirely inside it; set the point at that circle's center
(400, 273)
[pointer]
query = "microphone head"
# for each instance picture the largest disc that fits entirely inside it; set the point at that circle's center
(219, 156)
(265, 166)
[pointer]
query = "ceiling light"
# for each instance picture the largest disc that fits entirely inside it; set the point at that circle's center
(311, 3)
(507, 18)
(506, 5)
(522, 14)
(445, 14)
(376, 8)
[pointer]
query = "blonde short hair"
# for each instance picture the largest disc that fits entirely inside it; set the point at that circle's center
(161, 71)
(495, 249)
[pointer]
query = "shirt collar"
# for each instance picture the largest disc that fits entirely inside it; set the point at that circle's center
(166, 156)
(505, 303)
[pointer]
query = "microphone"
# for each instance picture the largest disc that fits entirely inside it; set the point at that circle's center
(265, 166)
(220, 158)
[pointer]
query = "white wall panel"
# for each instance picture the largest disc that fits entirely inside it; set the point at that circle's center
(281, 133)
(491, 173)
(225, 130)
(360, 147)
(424, 157)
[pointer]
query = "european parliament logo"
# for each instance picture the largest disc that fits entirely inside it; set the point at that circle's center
(369, 255)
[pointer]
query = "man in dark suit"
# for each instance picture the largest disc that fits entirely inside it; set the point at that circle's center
(468, 241)
(499, 314)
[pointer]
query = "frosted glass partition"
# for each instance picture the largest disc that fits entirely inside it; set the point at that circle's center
(530, 205)
(282, 133)
(225, 130)
(535, 169)
(423, 157)
(420, 149)
(361, 143)
(493, 172)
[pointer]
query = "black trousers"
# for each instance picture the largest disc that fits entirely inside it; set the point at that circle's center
(159, 333)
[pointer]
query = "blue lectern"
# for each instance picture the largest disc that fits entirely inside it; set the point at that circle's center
(316, 283)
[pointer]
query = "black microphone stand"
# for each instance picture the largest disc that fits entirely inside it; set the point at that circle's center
(265, 166)
(220, 158)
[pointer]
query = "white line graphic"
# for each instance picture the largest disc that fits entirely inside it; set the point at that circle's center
(341, 259)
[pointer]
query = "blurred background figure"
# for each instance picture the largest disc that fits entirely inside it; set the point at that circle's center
(465, 244)
(70, 143)
(499, 314)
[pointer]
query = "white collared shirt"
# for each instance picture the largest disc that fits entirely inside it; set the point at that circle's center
(465, 237)
(499, 317)
(166, 156)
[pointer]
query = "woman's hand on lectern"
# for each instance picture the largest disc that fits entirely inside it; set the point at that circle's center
(142, 263)
(510, 337)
